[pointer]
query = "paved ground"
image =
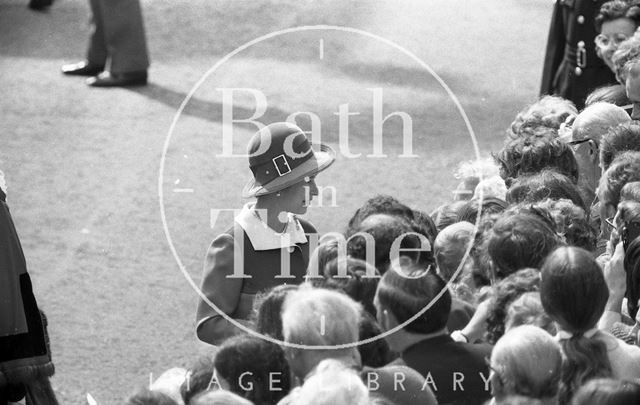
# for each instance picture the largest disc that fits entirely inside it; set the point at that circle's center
(82, 164)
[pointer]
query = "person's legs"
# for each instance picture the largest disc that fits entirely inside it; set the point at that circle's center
(97, 51)
(124, 36)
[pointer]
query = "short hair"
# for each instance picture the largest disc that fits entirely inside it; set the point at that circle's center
(447, 214)
(614, 94)
(607, 391)
(595, 120)
(450, 246)
(407, 289)
(615, 9)
(269, 310)
(359, 283)
(574, 293)
(529, 362)
(624, 169)
(149, 397)
(542, 185)
(199, 379)
(423, 224)
(385, 230)
(380, 204)
(620, 138)
(304, 310)
(484, 206)
(505, 292)
(327, 250)
(530, 153)
(249, 361)
(377, 352)
(332, 383)
(527, 310)
(548, 111)
(520, 241)
(220, 397)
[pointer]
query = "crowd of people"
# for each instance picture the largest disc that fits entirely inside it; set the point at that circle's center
(523, 289)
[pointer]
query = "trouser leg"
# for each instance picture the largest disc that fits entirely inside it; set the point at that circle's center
(97, 52)
(125, 36)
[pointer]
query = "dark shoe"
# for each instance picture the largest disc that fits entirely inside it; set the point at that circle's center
(82, 69)
(108, 79)
(40, 4)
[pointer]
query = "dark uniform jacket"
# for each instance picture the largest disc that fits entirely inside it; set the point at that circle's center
(571, 67)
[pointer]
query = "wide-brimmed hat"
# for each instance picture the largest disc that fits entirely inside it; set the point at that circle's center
(280, 155)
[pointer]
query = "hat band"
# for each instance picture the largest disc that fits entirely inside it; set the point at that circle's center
(279, 166)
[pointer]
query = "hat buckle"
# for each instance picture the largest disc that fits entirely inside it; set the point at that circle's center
(279, 162)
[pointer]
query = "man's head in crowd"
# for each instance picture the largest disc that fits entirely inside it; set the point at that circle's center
(450, 247)
(588, 130)
(331, 383)
(253, 368)
(526, 361)
(519, 241)
(320, 317)
(355, 277)
(542, 185)
(385, 231)
(481, 207)
(620, 138)
(220, 397)
(403, 292)
(199, 379)
(380, 204)
(269, 310)
(149, 397)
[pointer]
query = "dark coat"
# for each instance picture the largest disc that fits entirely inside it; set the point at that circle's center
(571, 67)
(452, 369)
(234, 296)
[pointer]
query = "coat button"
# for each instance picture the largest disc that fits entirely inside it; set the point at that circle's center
(580, 19)
(290, 249)
(578, 71)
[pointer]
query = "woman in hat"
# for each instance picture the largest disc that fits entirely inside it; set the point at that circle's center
(268, 244)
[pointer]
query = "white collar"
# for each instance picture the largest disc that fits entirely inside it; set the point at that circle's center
(264, 238)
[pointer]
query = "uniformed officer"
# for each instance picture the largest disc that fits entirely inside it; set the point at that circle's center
(571, 67)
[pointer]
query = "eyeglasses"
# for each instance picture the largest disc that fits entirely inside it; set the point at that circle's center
(580, 144)
(604, 41)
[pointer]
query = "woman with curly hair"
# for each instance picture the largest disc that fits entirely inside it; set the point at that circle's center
(617, 21)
